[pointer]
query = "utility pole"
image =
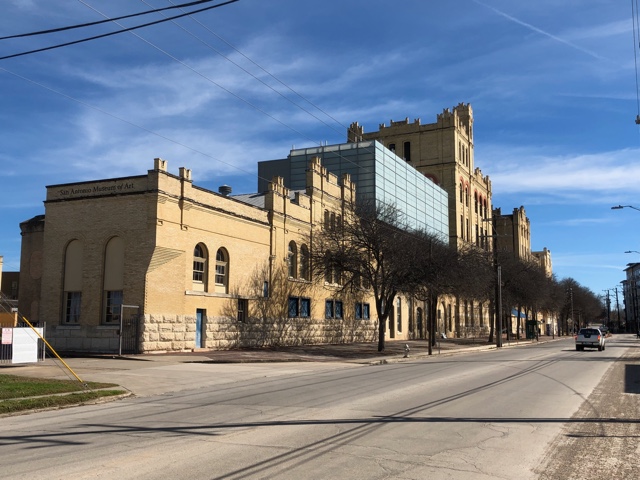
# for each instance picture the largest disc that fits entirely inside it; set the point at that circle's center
(618, 308)
(608, 304)
(572, 324)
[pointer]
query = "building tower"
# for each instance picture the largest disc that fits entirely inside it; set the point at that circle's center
(443, 151)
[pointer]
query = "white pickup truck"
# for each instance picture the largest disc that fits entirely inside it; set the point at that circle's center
(590, 337)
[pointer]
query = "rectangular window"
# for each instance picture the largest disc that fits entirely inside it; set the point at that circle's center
(243, 307)
(198, 271)
(220, 273)
(113, 302)
(333, 309)
(407, 151)
(299, 307)
(293, 307)
(328, 308)
(305, 307)
(72, 307)
(399, 315)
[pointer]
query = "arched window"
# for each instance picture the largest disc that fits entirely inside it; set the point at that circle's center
(200, 268)
(222, 271)
(72, 282)
(113, 280)
(461, 192)
(392, 147)
(292, 260)
(305, 263)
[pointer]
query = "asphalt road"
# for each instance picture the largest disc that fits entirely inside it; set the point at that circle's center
(516, 413)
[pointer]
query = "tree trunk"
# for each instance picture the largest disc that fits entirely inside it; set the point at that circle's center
(492, 319)
(382, 323)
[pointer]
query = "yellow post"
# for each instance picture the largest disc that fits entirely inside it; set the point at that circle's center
(52, 349)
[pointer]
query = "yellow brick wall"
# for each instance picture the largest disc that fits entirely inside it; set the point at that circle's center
(161, 218)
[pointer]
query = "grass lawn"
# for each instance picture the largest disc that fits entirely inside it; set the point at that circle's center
(46, 393)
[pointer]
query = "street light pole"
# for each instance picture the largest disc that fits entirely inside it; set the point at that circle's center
(620, 207)
(498, 288)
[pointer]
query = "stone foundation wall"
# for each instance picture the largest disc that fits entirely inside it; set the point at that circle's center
(83, 338)
(178, 333)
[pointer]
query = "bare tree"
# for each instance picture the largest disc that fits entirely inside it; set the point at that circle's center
(435, 272)
(267, 321)
(365, 249)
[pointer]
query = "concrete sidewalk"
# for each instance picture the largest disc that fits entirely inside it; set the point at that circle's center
(154, 374)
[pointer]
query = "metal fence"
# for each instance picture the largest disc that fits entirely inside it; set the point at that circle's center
(130, 335)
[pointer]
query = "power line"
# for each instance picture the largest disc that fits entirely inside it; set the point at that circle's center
(116, 32)
(105, 112)
(247, 102)
(267, 72)
(636, 40)
(360, 167)
(99, 22)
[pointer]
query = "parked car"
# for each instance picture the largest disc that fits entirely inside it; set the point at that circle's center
(591, 338)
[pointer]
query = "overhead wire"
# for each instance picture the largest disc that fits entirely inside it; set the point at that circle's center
(100, 22)
(205, 77)
(247, 102)
(198, 73)
(104, 35)
(172, 19)
(636, 45)
(124, 120)
(266, 71)
(360, 167)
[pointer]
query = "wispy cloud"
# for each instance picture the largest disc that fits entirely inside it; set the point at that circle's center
(520, 171)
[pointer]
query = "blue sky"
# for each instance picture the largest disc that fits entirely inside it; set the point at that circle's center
(552, 85)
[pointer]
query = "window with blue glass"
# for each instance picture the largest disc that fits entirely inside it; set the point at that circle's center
(333, 309)
(293, 307)
(362, 311)
(299, 307)
(305, 307)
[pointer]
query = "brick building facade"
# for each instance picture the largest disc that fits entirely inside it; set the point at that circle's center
(199, 269)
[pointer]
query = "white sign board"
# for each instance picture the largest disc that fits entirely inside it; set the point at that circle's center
(25, 345)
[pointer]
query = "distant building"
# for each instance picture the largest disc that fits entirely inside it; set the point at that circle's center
(443, 152)
(513, 233)
(544, 260)
(8, 296)
(631, 293)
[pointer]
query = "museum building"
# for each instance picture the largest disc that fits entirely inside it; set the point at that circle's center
(193, 268)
